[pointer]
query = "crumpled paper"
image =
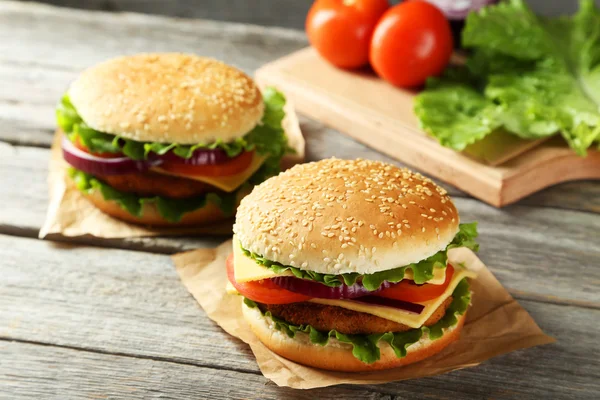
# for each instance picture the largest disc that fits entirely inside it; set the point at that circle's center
(71, 215)
(496, 324)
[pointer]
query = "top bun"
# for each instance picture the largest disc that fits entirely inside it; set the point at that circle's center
(338, 216)
(168, 97)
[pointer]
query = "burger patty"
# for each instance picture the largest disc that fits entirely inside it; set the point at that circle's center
(326, 318)
(150, 184)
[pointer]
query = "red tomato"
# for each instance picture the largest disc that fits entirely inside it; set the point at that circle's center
(231, 167)
(264, 291)
(411, 42)
(411, 292)
(341, 30)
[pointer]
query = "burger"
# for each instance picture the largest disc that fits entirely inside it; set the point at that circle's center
(343, 265)
(169, 139)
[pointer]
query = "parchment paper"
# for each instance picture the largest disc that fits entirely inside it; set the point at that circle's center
(495, 324)
(70, 214)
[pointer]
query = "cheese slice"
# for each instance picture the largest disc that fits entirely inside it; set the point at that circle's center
(226, 183)
(401, 316)
(247, 270)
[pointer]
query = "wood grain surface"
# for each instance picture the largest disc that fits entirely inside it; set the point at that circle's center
(110, 319)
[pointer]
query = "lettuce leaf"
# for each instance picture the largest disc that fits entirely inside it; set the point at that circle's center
(530, 76)
(267, 138)
(170, 209)
(422, 271)
(365, 347)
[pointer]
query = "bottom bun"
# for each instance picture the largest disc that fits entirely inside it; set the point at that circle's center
(151, 216)
(337, 356)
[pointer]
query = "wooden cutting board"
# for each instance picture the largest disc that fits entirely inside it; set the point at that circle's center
(500, 170)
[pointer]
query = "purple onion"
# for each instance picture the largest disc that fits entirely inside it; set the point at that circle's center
(459, 9)
(104, 166)
(199, 157)
(321, 291)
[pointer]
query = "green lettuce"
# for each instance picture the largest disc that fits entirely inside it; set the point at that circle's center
(366, 347)
(422, 271)
(527, 75)
(267, 138)
(170, 209)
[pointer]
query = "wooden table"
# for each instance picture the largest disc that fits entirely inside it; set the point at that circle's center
(92, 318)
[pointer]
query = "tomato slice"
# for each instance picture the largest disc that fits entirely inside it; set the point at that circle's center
(231, 167)
(264, 291)
(409, 291)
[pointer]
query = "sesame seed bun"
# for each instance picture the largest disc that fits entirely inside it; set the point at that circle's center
(168, 97)
(151, 216)
(339, 216)
(337, 356)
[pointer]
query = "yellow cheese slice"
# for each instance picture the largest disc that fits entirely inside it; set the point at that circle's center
(226, 183)
(400, 316)
(247, 270)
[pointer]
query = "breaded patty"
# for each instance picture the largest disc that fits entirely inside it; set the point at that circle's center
(150, 184)
(325, 318)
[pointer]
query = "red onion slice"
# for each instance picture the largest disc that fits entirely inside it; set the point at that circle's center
(199, 157)
(321, 291)
(459, 9)
(104, 166)
(400, 304)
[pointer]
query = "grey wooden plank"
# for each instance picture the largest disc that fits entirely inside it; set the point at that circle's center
(29, 370)
(287, 13)
(521, 243)
(73, 39)
(106, 299)
(132, 304)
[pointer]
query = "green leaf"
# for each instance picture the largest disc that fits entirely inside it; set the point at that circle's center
(533, 77)
(454, 112)
(366, 347)
(508, 28)
(66, 116)
(422, 271)
(465, 237)
(170, 209)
